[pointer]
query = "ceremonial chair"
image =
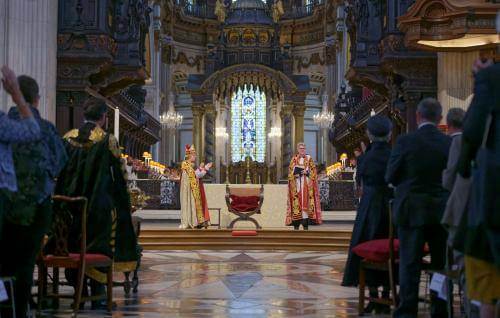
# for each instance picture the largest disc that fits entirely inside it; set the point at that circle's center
(379, 255)
(80, 260)
(244, 202)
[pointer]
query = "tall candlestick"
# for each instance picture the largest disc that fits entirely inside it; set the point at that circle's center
(117, 124)
(322, 149)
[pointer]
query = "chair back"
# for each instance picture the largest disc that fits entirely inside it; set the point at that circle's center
(66, 212)
(244, 192)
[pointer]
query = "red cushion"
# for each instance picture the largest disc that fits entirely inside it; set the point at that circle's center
(75, 257)
(378, 250)
(375, 250)
(244, 204)
(243, 233)
(252, 200)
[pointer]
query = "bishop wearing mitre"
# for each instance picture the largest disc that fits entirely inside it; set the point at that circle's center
(303, 195)
(194, 209)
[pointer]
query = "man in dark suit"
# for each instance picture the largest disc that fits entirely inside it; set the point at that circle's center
(415, 168)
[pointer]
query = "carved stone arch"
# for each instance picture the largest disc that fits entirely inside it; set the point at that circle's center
(276, 82)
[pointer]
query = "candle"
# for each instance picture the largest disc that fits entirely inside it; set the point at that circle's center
(117, 124)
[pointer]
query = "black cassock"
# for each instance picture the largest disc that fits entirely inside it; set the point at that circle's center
(95, 172)
(372, 218)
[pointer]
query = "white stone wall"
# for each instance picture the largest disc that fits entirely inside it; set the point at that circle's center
(28, 44)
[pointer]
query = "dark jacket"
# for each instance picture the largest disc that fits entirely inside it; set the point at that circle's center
(372, 218)
(37, 165)
(415, 168)
(53, 151)
(481, 225)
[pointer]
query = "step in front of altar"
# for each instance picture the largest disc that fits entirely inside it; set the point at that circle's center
(212, 239)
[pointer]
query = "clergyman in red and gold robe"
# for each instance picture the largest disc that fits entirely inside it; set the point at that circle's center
(194, 208)
(303, 195)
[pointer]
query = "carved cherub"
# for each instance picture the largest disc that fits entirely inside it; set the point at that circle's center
(278, 10)
(220, 11)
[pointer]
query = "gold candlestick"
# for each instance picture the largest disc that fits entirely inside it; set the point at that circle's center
(248, 180)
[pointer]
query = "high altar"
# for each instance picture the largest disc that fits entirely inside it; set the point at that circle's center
(272, 212)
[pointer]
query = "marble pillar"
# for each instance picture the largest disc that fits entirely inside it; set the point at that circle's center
(28, 44)
(298, 115)
(287, 139)
(198, 113)
(221, 142)
(455, 81)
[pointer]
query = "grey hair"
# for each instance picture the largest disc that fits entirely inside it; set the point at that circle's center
(373, 138)
(455, 117)
(430, 108)
(300, 144)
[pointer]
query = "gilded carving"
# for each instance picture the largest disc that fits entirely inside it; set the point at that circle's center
(182, 58)
(263, 37)
(314, 59)
(248, 37)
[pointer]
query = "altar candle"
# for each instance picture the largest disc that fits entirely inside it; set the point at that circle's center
(117, 124)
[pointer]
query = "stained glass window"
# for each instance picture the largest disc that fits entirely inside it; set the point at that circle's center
(248, 124)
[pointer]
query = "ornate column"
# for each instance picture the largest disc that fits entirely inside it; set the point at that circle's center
(28, 44)
(221, 143)
(298, 115)
(198, 113)
(287, 139)
(209, 137)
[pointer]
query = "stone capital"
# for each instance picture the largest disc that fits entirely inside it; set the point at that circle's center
(299, 110)
(286, 110)
(197, 110)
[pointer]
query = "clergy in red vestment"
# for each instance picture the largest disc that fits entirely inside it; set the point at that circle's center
(303, 194)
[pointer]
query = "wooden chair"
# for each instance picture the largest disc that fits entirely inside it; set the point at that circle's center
(232, 193)
(78, 260)
(386, 260)
(386, 263)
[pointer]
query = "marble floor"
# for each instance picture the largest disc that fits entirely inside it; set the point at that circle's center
(234, 284)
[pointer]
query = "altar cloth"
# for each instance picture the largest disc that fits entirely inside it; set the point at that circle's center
(273, 209)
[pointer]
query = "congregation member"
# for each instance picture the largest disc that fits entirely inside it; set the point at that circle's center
(478, 235)
(459, 187)
(29, 213)
(415, 168)
(194, 208)
(372, 218)
(454, 122)
(12, 131)
(94, 170)
(304, 207)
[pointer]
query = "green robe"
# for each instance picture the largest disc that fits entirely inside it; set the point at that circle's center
(94, 171)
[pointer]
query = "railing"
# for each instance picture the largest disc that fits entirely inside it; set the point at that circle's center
(197, 10)
(208, 11)
(163, 194)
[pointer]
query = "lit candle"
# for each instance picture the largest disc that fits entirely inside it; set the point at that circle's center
(117, 124)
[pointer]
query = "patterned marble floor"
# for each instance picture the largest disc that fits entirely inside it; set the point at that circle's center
(234, 284)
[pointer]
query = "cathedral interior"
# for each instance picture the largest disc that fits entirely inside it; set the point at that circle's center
(244, 81)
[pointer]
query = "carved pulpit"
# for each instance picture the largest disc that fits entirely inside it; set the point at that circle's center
(248, 171)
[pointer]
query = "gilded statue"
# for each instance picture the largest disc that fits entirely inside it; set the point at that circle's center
(278, 10)
(220, 11)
